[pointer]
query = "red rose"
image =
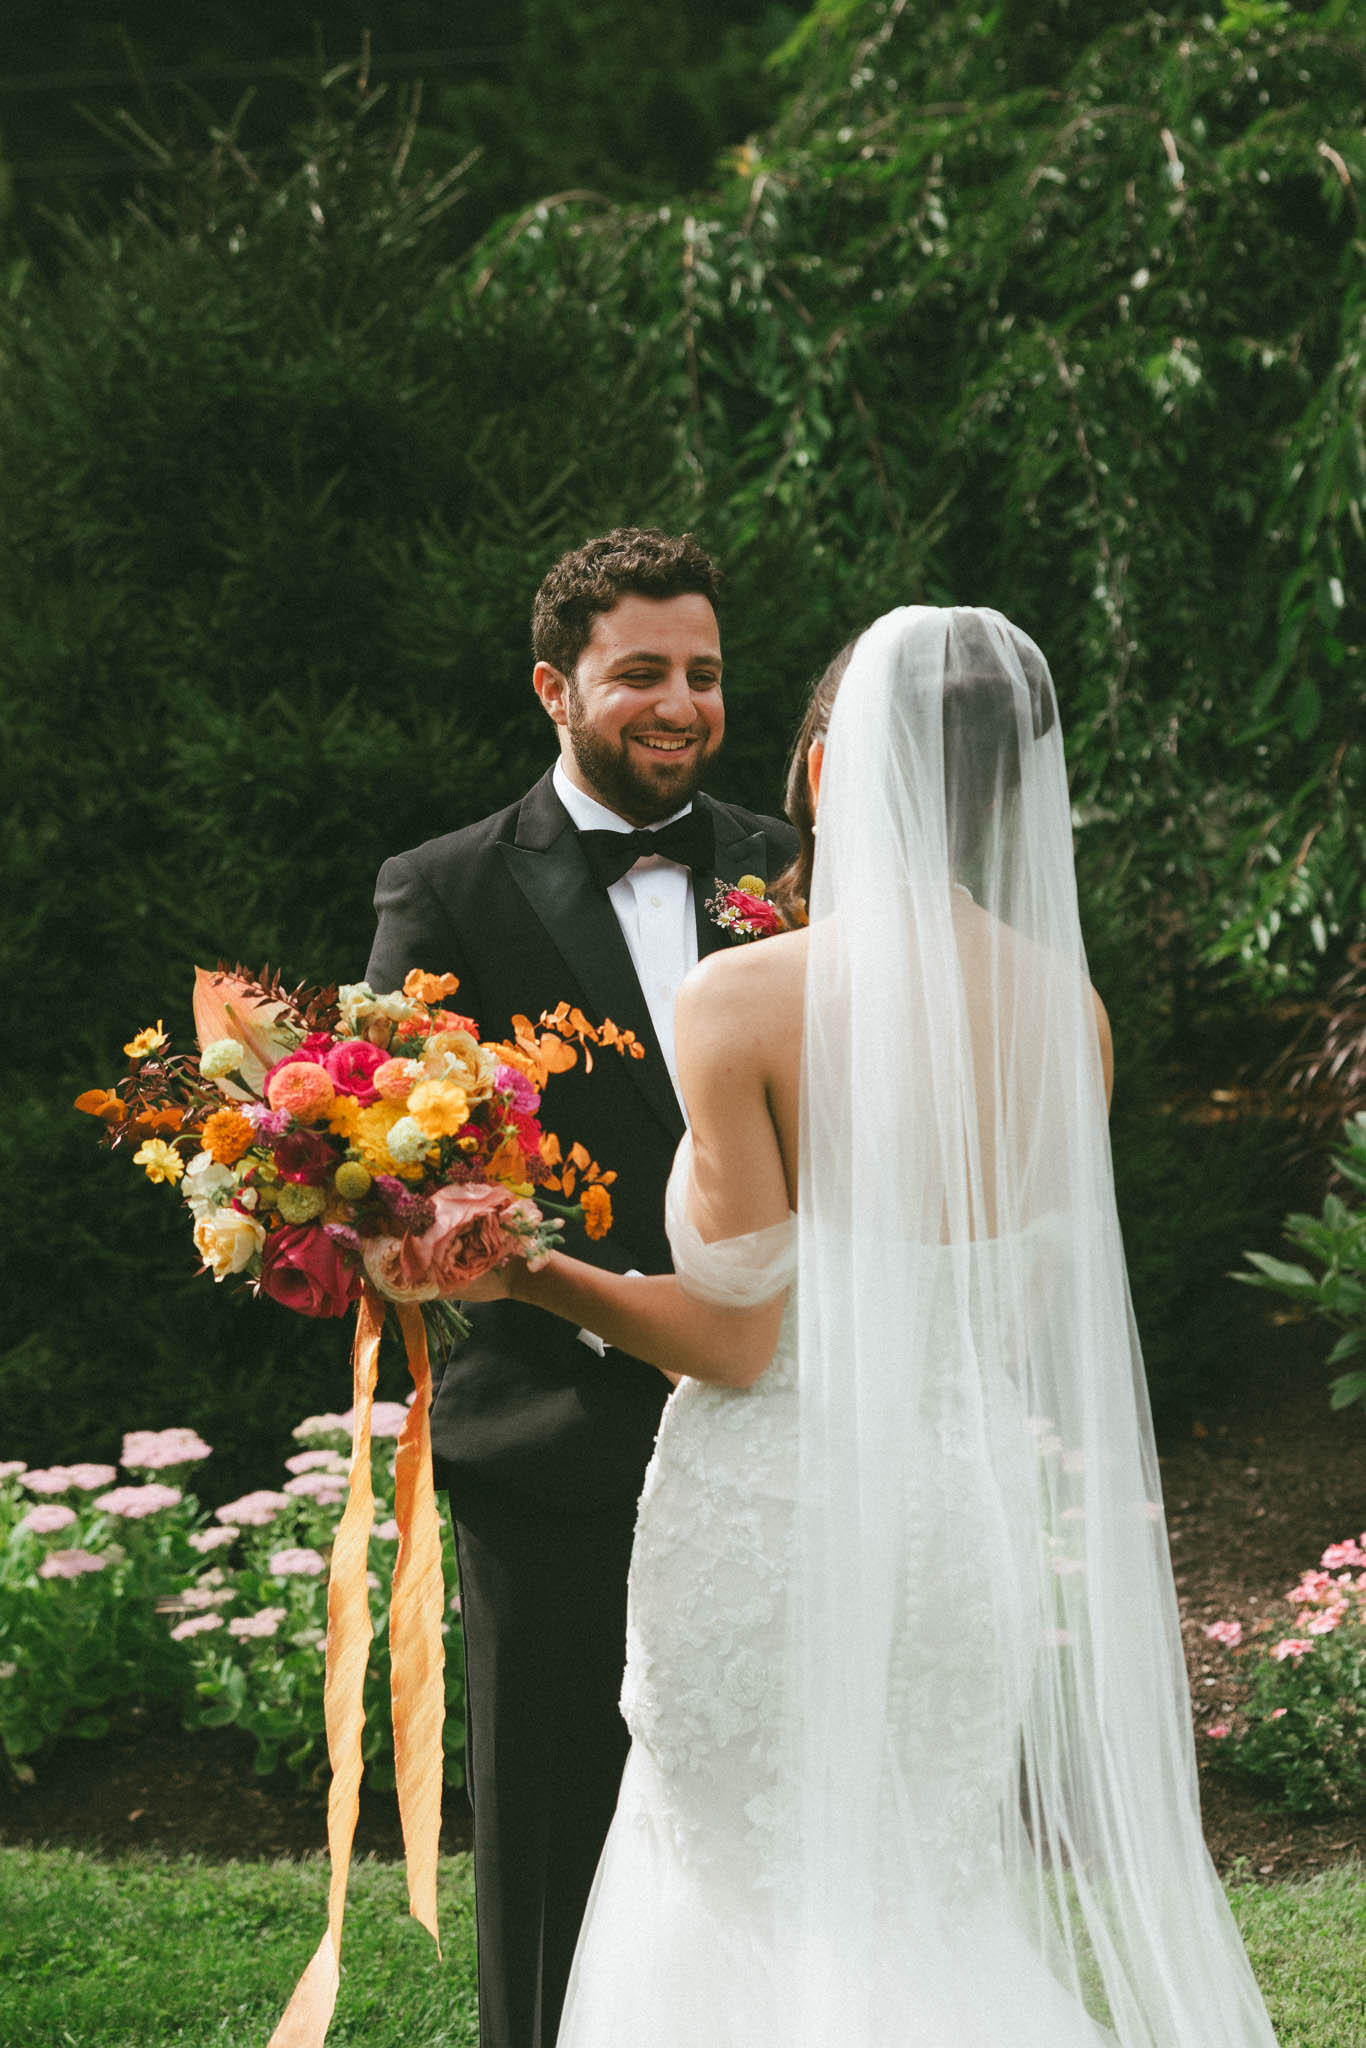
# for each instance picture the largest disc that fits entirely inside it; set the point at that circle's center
(301, 1267)
(351, 1064)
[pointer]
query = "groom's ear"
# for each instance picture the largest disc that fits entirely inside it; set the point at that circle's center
(553, 690)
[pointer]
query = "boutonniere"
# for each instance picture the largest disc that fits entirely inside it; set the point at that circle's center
(744, 911)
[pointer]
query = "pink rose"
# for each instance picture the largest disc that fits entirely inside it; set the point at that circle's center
(466, 1240)
(351, 1065)
(301, 1267)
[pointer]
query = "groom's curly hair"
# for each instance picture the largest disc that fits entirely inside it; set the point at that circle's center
(630, 561)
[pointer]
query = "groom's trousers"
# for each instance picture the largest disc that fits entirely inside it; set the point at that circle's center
(543, 1599)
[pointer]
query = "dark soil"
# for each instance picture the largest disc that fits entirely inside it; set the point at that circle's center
(1253, 1497)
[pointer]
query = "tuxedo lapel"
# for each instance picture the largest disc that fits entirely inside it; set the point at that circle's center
(737, 853)
(548, 865)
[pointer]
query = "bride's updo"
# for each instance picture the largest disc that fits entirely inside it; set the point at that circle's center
(981, 739)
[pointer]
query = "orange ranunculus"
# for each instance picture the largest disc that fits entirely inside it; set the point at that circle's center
(429, 988)
(103, 1103)
(597, 1210)
(226, 1136)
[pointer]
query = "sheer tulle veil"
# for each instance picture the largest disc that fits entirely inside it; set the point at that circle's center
(992, 1732)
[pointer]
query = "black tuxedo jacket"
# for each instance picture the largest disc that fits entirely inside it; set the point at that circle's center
(508, 905)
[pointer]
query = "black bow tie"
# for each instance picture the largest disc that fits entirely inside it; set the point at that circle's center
(690, 840)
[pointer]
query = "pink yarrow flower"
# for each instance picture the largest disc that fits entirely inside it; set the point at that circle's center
(253, 1510)
(266, 1622)
(152, 1450)
(1338, 1555)
(195, 1625)
(1230, 1633)
(46, 1519)
(385, 1532)
(1218, 1731)
(1324, 1622)
(52, 1479)
(10, 1468)
(69, 1564)
(297, 1564)
(1276, 1713)
(204, 1540)
(132, 1503)
(323, 1487)
(1291, 1647)
(316, 1461)
(90, 1478)
(323, 1425)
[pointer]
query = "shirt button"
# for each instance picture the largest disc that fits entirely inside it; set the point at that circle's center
(656, 903)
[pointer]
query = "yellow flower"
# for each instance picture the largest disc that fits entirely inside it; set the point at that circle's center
(441, 1108)
(751, 884)
(351, 1180)
(150, 1040)
(370, 1132)
(344, 1116)
(159, 1160)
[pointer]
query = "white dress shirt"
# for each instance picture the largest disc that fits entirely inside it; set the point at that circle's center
(653, 902)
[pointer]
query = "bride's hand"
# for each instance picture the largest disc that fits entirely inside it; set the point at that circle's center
(491, 1286)
(501, 1282)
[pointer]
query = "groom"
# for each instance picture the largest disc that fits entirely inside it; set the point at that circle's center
(590, 890)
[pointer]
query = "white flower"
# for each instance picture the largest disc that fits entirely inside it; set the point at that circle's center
(226, 1240)
(408, 1142)
(206, 1183)
(222, 1057)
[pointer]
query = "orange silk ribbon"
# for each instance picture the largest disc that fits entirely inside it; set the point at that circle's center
(416, 1660)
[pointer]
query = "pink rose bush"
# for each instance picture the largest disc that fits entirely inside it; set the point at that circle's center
(1298, 1733)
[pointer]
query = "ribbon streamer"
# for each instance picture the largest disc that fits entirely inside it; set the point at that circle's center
(416, 1665)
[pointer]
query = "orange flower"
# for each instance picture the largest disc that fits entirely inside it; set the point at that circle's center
(103, 1103)
(429, 988)
(508, 1166)
(596, 1204)
(226, 1136)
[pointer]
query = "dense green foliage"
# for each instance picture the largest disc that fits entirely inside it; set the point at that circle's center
(1063, 315)
(1336, 1242)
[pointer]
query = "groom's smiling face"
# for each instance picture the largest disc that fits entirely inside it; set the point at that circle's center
(642, 715)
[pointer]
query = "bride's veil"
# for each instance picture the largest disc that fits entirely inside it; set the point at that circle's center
(998, 1799)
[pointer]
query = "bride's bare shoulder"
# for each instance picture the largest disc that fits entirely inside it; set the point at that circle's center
(748, 977)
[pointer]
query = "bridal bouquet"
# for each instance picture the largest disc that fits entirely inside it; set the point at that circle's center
(324, 1137)
(339, 1147)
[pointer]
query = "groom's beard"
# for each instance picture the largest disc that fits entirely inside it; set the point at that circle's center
(624, 783)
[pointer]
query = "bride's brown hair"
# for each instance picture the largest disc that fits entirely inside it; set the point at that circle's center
(791, 888)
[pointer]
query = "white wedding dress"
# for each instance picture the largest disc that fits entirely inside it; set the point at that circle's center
(690, 1931)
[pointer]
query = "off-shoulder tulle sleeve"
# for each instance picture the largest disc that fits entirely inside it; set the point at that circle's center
(735, 1272)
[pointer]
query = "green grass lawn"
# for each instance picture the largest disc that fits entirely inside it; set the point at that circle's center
(138, 1952)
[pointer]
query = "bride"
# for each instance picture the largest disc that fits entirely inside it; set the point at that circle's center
(912, 1762)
